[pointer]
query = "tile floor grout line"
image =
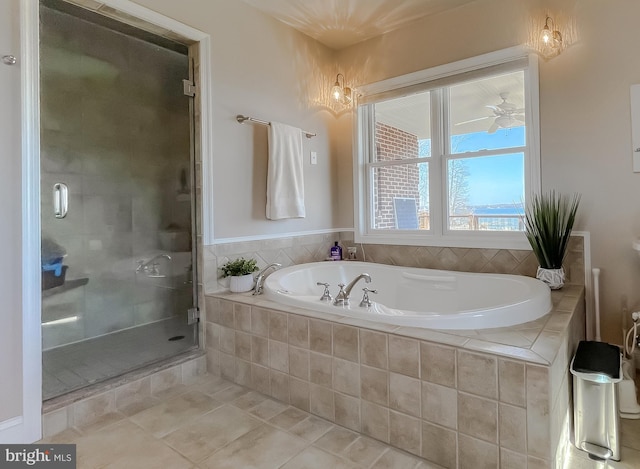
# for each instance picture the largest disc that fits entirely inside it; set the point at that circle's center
(319, 436)
(204, 458)
(573, 457)
(379, 457)
(292, 457)
(262, 424)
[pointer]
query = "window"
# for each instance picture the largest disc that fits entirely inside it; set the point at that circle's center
(449, 156)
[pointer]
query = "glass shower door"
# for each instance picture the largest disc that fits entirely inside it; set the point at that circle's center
(116, 199)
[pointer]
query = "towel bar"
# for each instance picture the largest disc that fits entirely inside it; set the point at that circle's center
(242, 119)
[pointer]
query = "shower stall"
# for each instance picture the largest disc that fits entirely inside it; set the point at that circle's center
(118, 203)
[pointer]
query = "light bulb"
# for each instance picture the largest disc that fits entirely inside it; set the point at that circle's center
(550, 38)
(546, 36)
(337, 92)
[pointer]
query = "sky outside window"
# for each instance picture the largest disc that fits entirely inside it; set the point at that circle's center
(485, 173)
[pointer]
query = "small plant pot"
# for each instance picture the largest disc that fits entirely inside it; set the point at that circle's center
(241, 284)
(552, 277)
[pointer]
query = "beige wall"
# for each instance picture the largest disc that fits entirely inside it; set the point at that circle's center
(267, 70)
(10, 232)
(586, 143)
(584, 107)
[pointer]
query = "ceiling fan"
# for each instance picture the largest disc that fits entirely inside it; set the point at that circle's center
(506, 115)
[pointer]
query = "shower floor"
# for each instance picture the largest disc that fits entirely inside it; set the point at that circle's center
(74, 366)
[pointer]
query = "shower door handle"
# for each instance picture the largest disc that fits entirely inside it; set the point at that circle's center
(60, 200)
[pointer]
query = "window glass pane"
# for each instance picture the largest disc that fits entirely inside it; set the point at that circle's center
(401, 197)
(487, 114)
(403, 128)
(486, 193)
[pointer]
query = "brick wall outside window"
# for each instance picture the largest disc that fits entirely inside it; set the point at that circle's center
(394, 181)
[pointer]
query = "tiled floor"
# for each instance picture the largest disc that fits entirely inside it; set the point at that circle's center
(212, 423)
(74, 366)
(630, 451)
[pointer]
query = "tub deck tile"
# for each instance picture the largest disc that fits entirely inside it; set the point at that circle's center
(512, 338)
(432, 335)
(506, 351)
(547, 345)
(376, 326)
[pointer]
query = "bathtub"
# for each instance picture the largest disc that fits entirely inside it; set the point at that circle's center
(407, 296)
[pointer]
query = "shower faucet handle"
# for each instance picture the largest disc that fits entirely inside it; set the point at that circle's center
(326, 295)
(9, 59)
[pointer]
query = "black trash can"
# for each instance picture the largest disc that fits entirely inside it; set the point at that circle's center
(596, 368)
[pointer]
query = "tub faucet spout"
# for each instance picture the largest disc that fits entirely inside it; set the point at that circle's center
(342, 298)
(257, 290)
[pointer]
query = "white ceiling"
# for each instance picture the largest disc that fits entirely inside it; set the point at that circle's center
(341, 23)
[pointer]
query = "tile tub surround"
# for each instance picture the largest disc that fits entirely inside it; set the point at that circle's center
(288, 250)
(475, 398)
(498, 261)
(293, 250)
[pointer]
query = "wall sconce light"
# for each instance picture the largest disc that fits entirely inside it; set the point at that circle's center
(341, 93)
(550, 38)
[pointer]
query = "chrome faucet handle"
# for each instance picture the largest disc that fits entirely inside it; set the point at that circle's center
(366, 302)
(326, 295)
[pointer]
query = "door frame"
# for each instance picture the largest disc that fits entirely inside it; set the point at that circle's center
(29, 426)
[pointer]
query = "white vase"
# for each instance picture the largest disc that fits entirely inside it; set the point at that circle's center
(552, 277)
(241, 283)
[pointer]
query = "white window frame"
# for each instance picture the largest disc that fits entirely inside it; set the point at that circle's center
(440, 235)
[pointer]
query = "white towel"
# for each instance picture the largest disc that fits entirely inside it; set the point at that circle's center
(285, 179)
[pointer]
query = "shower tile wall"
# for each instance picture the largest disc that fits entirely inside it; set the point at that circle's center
(115, 129)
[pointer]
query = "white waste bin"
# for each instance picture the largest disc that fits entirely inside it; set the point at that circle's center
(596, 368)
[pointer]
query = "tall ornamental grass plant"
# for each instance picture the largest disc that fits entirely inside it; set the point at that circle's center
(548, 223)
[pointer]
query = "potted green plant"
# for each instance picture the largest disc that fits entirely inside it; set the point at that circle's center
(240, 273)
(548, 222)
